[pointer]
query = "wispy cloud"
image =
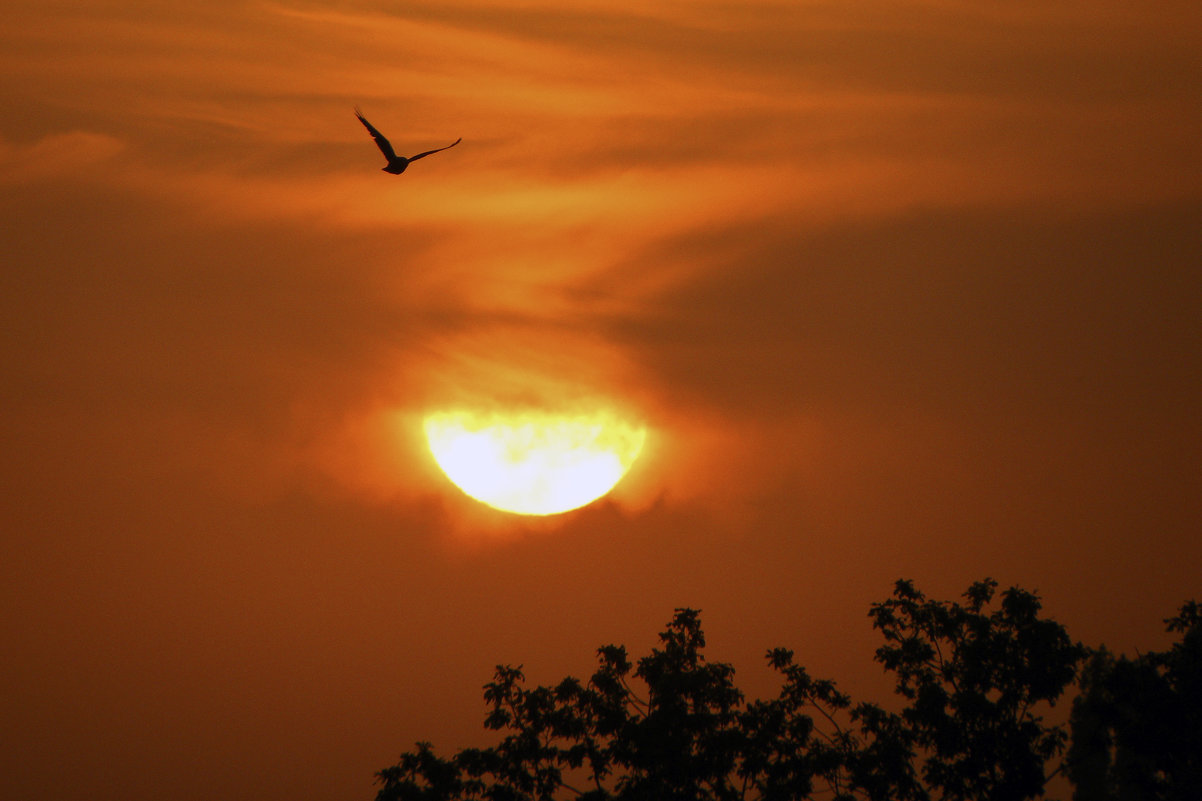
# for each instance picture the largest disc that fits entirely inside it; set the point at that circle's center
(56, 156)
(619, 164)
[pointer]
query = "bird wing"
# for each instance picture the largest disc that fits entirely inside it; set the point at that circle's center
(382, 143)
(436, 150)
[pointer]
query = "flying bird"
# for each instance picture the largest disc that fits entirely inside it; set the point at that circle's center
(396, 164)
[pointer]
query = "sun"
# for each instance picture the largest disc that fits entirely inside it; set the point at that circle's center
(533, 462)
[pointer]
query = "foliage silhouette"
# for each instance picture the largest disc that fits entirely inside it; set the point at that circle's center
(974, 682)
(1137, 724)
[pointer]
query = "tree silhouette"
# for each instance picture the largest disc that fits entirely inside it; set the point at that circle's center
(974, 682)
(1137, 724)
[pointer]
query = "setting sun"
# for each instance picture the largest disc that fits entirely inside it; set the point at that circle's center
(533, 463)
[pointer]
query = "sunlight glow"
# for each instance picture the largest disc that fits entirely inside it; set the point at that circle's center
(533, 463)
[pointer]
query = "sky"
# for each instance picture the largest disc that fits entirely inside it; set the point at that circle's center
(899, 289)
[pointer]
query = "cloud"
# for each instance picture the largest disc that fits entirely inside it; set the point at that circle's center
(714, 217)
(56, 156)
(785, 213)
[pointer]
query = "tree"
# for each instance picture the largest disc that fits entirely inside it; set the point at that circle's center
(975, 683)
(674, 727)
(1137, 723)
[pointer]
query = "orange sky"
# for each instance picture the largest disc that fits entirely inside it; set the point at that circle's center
(901, 289)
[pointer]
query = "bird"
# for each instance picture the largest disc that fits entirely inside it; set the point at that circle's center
(396, 164)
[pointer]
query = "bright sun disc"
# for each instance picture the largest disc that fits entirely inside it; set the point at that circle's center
(533, 463)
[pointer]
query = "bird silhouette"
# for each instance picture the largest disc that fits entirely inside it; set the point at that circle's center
(396, 164)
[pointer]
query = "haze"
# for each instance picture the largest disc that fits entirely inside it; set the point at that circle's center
(900, 289)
